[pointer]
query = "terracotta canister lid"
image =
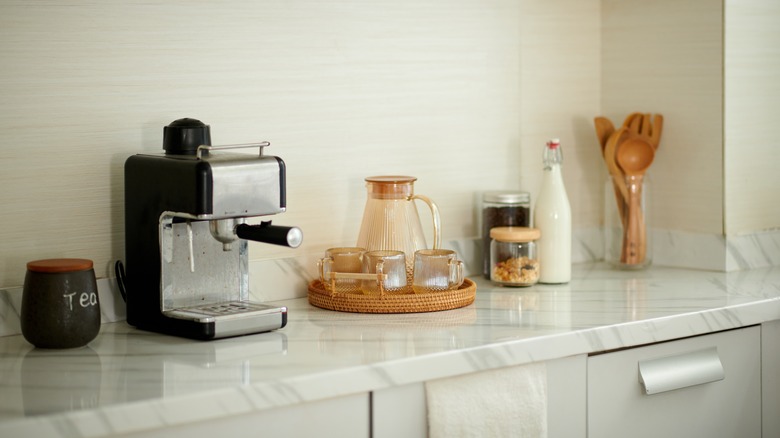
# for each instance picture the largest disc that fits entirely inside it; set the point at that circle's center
(54, 266)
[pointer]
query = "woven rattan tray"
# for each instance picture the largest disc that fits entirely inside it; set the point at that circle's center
(387, 302)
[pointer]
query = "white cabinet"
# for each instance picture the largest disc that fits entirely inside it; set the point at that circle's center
(342, 417)
(770, 378)
(566, 401)
(402, 411)
(713, 385)
(705, 386)
(399, 411)
(601, 395)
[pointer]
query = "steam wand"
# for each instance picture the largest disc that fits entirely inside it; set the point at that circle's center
(228, 230)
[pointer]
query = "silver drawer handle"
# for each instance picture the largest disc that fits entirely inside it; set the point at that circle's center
(675, 372)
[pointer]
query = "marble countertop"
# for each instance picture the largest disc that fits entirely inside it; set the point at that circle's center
(128, 380)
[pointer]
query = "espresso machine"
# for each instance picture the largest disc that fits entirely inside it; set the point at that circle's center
(187, 233)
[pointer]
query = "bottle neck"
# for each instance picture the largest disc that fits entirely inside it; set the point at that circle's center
(553, 157)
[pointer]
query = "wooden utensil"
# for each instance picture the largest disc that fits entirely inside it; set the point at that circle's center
(634, 156)
(655, 130)
(646, 126)
(610, 158)
(633, 121)
(618, 177)
(604, 129)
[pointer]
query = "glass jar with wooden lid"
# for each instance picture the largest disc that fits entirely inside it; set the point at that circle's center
(513, 260)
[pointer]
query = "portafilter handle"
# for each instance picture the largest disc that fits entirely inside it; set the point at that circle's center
(273, 234)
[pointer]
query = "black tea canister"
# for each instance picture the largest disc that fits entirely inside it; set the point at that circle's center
(60, 306)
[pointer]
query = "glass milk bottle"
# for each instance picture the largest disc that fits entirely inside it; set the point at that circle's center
(552, 216)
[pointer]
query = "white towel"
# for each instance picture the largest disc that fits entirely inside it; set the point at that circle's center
(508, 402)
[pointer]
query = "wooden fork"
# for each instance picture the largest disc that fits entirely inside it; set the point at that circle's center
(649, 129)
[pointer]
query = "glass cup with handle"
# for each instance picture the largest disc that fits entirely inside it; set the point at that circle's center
(436, 270)
(388, 262)
(341, 260)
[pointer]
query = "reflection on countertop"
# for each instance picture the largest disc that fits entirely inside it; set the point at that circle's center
(125, 377)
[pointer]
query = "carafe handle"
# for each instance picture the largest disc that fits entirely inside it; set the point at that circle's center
(436, 220)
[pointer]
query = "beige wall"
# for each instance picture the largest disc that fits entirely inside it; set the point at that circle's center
(460, 93)
(666, 56)
(752, 118)
(712, 69)
(343, 90)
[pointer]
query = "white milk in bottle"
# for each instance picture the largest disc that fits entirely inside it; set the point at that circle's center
(552, 216)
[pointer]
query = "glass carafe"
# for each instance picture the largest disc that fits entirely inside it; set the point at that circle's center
(391, 220)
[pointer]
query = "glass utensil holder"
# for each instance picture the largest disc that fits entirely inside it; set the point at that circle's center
(627, 224)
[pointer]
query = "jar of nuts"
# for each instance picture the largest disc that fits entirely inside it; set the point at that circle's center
(513, 256)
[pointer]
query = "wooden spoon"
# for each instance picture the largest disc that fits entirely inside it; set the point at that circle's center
(618, 177)
(634, 156)
(604, 130)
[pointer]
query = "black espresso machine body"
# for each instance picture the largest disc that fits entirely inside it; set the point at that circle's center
(186, 233)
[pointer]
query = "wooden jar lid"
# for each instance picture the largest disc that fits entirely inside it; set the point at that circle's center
(54, 266)
(515, 234)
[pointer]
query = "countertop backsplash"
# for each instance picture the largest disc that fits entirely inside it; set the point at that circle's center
(288, 277)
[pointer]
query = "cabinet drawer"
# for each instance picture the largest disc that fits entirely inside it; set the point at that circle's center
(702, 386)
(343, 417)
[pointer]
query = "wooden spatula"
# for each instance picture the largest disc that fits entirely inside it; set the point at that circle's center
(604, 129)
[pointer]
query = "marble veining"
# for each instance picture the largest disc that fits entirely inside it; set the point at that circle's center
(128, 380)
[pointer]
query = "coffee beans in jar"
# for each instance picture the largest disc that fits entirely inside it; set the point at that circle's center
(502, 209)
(513, 256)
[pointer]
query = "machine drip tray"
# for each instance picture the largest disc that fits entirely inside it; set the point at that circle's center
(223, 311)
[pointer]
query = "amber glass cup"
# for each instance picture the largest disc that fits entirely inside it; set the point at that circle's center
(346, 260)
(436, 270)
(388, 262)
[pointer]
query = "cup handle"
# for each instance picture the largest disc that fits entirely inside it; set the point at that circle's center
(380, 271)
(457, 266)
(436, 220)
(321, 268)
